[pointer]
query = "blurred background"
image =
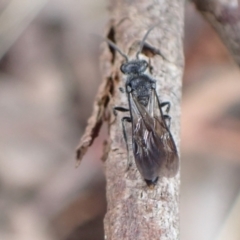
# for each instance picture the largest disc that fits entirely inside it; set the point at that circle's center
(49, 75)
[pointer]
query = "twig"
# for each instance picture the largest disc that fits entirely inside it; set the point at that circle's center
(224, 16)
(134, 210)
(14, 19)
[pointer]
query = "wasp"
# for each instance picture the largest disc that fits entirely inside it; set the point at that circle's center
(153, 146)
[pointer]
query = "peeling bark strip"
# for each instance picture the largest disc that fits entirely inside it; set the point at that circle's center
(224, 16)
(95, 121)
(134, 210)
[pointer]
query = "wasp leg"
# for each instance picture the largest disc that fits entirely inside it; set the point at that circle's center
(163, 104)
(167, 119)
(126, 119)
(120, 109)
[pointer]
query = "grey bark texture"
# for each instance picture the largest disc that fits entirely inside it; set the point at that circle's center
(134, 210)
(224, 16)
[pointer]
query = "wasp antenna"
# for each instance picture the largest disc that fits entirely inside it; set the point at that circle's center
(143, 40)
(116, 48)
(113, 45)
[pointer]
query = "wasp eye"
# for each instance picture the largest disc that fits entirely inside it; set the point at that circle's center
(122, 68)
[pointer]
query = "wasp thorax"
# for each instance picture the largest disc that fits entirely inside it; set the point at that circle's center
(143, 100)
(142, 95)
(134, 67)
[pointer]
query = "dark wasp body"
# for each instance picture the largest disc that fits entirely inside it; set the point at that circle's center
(153, 146)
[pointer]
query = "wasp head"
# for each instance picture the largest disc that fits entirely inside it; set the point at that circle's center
(134, 67)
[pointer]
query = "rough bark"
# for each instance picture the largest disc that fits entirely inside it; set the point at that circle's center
(224, 16)
(134, 210)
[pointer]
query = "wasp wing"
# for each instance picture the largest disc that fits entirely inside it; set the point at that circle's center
(153, 146)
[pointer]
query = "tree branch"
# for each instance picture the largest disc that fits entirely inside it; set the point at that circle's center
(134, 210)
(224, 16)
